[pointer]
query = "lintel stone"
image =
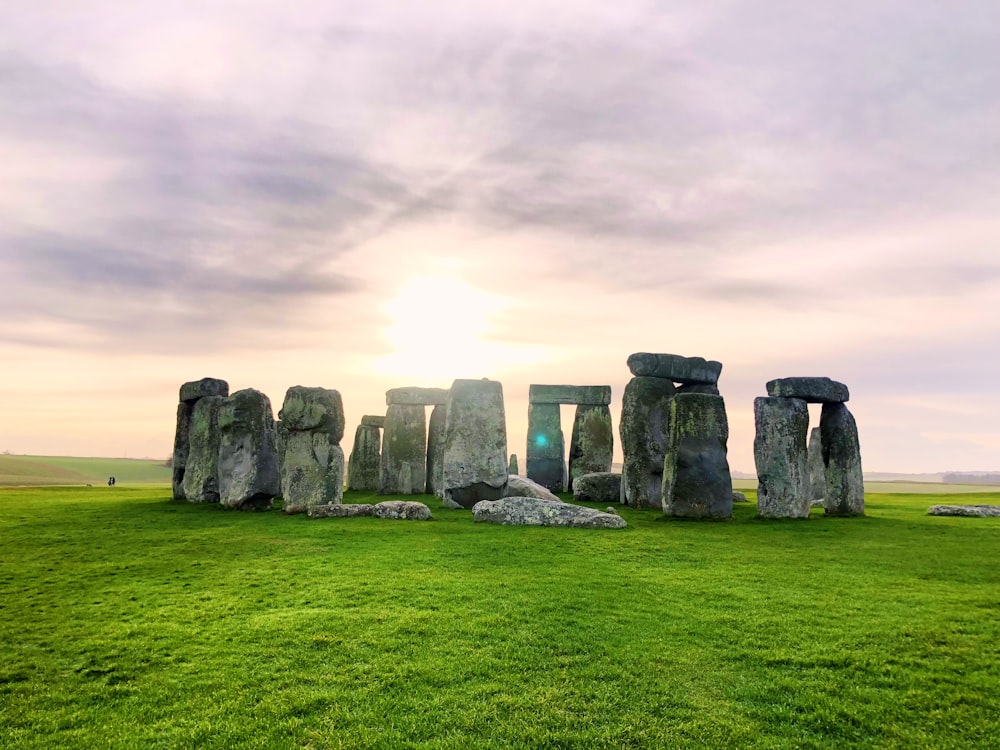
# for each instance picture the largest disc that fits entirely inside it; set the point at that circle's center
(590, 395)
(811, 390)
(684, 370)
(373, 420)
(414, 396)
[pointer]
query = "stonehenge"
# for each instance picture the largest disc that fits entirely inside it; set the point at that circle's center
(475, 444)
(696, 478)
(190, 393)
(248, 459)
(406, 466)
(201, 475)
(312, 461)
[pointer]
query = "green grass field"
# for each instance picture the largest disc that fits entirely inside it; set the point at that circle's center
(63, 470)
(130, 621)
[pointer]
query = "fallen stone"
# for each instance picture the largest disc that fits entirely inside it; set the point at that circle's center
(592, 443)
(518, 486)
(975, 511)
(413, 396)
(673, 367)
(350, 510)
(779, 449)
(739, 497)
(403, 463)
(814, 460)
(532, 511)
(545, 455)
(363, 464)
(475, 443)
(645, 422)
(599, 487)
(313, 410)
(201, 476)
(372, 420)
(313, 472)
(248, 460)
(591, 395)
(402, 510)
(196, 389)
(696, 478)
(810, 390)
(845, 487)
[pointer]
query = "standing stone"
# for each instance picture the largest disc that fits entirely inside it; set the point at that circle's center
(313, 471)
(545, 450)
(779, 449)
(592, 443)
(435, 449)
(845, 488)
(643, 429)
(696, 478)
(817, 472)
(403, 464)
(201, 477)
(309, 409)
(280, 438)
(363, 465)
(248, 460)
(475, 444)
(182, 445)
(512, 465)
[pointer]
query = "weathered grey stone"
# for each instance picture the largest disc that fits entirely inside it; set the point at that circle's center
(435, 449)
(975, 511)
(591, 395)
(402, 510)
(533, 511)
(545, 455)
(280, 438)
(403, 464)
(845, 488)
(817, 472)
(349, 510)
(373, 420)
(518, 486)
(313, 410)
(414, 396)
(673, 367)
(313, 471)
(363, 464)
(182, 446)
(810, 390)
(248, 460)
(696, 478)
(645, 422)
(592, 443)
(512, 464)
(201, 476)
(779, 449)
(599, 487)
(710, 390)
(196, 389)
(739, 497)
(475, 443)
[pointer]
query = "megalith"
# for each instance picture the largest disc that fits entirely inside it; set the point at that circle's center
(512, 467)
(312, 467)
(675, 368)
(845, 489)
(475, 443)
(545, 454)
(190, 393)
(817, 472)
(363, 465)
(780, 454)
(645, 421)
(403, 463)
(812, 390)
(696, 478)
(435, 449)
(592, 443)
(248, 459)
(201, 476)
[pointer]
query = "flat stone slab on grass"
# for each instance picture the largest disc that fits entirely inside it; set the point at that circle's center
(349, 510)
(976, 511)
(810, 390)
(402, 510)
(533, 511)
(593, 395)
(685, 370)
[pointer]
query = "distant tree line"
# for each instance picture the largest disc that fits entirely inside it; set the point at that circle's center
(971, 477)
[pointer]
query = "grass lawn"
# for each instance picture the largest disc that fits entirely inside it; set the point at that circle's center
(63, 470)
(130, 621)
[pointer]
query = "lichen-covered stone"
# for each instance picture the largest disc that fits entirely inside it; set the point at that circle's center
(363, 465)
(435, 449)
(309, 409)
(248, 459)
(545, 455)
(696, 478)
(413, 396)
(845, 488)
(518, 486)
(512, 467)
(373, 420)
(591, 395)
(347, 510)
(675, 368)
(533, 511)
(313, 471)
(402, 510)
(182, 446)
(475, 443)
(973, 511)
(817, 472)
(196, 389)
(809, 389)
(280, 437)
(645, 422)
(779, 449)
(739, 497)
(599, 487)
(592, 443)
(403, 464)
(201, 476)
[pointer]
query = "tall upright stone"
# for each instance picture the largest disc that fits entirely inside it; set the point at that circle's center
(645, 422)
(512, 467)
(435, 449)
(592, 443)
(201, 476)
(248, 459)
(545, 454)
(779, 449)
(190, 393)
(363, 465)
(403, 464)
(817, 472)
(696, 478)
(845, 489)
(312, 466)
(475, 443)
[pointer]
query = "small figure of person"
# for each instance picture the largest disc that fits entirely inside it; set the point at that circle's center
(111, 481)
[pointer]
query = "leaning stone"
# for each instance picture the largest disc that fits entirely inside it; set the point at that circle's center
(523, 487)
(196, 389)
(475, 443)
(779, 449)
(845, 487)
(512, 464)
(975, 511)
(403, 464)
(413, 396)
(532, 511)
(201, 476)
(435, 450)
(545, 450)
(248, 460)
(591, 395)
(182, 446)
(696, 478)
(644, 424)
(350, 510)
(592, 443)
(313, 410)
(810, 390)
(817, 472)
(673, 367)
(313, 472)
(372, 420)
(599, 487)
(739, 497)
(363, 464)
(402, 510)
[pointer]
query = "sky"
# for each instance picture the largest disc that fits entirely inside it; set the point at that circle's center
(366, 195)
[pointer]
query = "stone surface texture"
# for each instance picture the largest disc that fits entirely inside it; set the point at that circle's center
(363, 464)
(809, 389)
(196, 389)
(373, 420)
(779, 449)
(201, 476)
(512, 467)
(475, 443)
(313, 410)
(545, 455)
(532, 511)
(414, 396)
(348, 510)
(518, 486)
(696, 478)
(313, 472)
(645, 421)
(599, 487)
(974, 511)
(814, 459)
(248, 459)
(592, 443)
(182, 445)
(845, 487)
(591, 395)
(677, 369)
(402, 510)
(403, 464)
(435, 449)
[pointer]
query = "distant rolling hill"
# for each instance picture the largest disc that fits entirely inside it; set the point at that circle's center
(67, 470)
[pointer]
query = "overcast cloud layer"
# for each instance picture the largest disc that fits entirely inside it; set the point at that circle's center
(248, 190)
